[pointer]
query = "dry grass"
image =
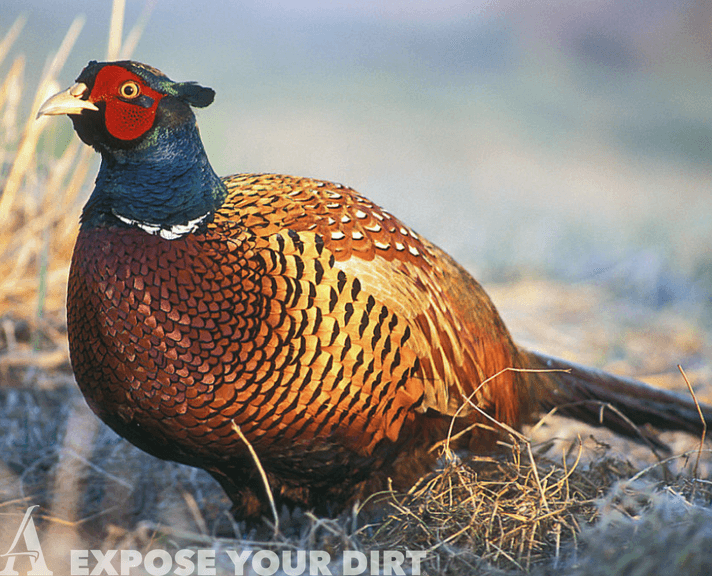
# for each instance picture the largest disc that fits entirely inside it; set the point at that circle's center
(570, 509)
(527, 513)
(39, 205)
(505, 513)
(42, 195)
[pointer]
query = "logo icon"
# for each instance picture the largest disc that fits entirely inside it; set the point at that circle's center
(33, 550)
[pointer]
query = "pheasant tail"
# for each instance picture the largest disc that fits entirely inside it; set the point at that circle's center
(616, 402)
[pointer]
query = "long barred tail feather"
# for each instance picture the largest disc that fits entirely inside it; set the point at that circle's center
(599, 398)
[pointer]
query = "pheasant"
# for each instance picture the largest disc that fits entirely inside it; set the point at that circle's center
(209, 316)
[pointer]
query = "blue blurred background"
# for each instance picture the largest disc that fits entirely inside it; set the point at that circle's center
(555, 139)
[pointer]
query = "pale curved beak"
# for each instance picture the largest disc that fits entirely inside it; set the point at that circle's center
(67, 102)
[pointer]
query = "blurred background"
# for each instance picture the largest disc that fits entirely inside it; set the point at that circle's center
(559, 150)
(558, 139)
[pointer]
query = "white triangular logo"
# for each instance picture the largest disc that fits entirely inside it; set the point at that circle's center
(33, 550)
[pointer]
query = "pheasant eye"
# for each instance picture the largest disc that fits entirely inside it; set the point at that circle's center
(130, 90)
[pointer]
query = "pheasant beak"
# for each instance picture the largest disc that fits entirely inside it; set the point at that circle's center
(68, 102)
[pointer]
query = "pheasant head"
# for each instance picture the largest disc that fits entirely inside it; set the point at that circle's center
(154, 173)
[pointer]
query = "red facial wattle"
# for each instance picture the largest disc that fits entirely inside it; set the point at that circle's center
(130, 103)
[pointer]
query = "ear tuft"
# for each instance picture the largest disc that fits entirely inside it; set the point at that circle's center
(194, 94)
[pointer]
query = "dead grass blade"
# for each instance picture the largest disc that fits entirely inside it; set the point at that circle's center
(263, 475)
(702, 419)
